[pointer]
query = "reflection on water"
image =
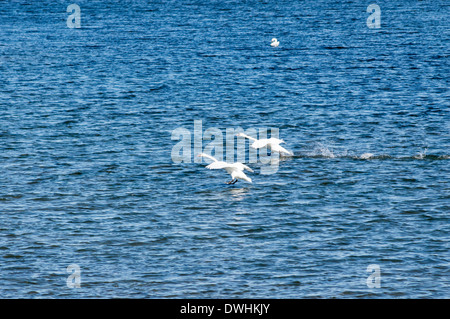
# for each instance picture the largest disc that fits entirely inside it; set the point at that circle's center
(238, 194)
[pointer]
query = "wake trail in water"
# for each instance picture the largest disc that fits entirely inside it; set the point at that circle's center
(322, 151)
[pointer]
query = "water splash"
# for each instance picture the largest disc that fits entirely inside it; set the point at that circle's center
(421, 155)
(320, 150)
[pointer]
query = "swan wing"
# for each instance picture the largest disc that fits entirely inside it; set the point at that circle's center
(274, 140)
(240, 175)
(241, 167)
(260, 143)
(280, 149)
(218, 165)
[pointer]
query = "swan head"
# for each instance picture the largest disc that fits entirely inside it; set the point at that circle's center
(274, 40)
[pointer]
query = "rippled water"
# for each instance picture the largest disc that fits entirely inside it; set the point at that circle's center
(87, 178)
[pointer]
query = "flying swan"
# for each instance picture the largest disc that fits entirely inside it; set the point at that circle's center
(272, 143)
(234, 169)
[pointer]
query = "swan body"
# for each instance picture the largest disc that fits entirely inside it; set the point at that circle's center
(236, 170)
(366, 156)
(272, 143)
(274, 43)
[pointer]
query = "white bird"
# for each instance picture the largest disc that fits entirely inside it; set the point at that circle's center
(274, 43)
(272, 143)
(236, 170)
(366, 156)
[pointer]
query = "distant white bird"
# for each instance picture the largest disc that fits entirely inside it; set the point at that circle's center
(234, 169)
(274, 43)
(272, 143)
(366, 156)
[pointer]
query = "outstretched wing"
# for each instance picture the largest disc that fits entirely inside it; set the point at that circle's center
(260, 143)
(275, 140)
(280, 149)
(218, 165)
(241, 167)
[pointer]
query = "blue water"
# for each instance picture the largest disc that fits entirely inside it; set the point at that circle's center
(87, 177)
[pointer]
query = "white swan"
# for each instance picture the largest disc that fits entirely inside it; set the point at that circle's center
(272, 143)
(234, 169)
(366, 156)
(274, 43)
